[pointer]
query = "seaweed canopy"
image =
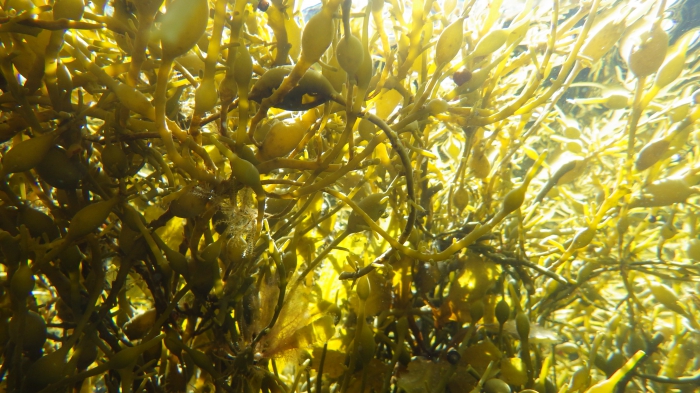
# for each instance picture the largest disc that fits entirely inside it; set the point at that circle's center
(420, 196)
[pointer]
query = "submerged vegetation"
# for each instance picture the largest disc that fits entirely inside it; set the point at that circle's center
(399, 196)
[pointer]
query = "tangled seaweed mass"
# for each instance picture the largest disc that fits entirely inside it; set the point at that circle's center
(385, 196)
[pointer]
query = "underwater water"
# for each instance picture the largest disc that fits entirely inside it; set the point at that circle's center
(335, 196)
